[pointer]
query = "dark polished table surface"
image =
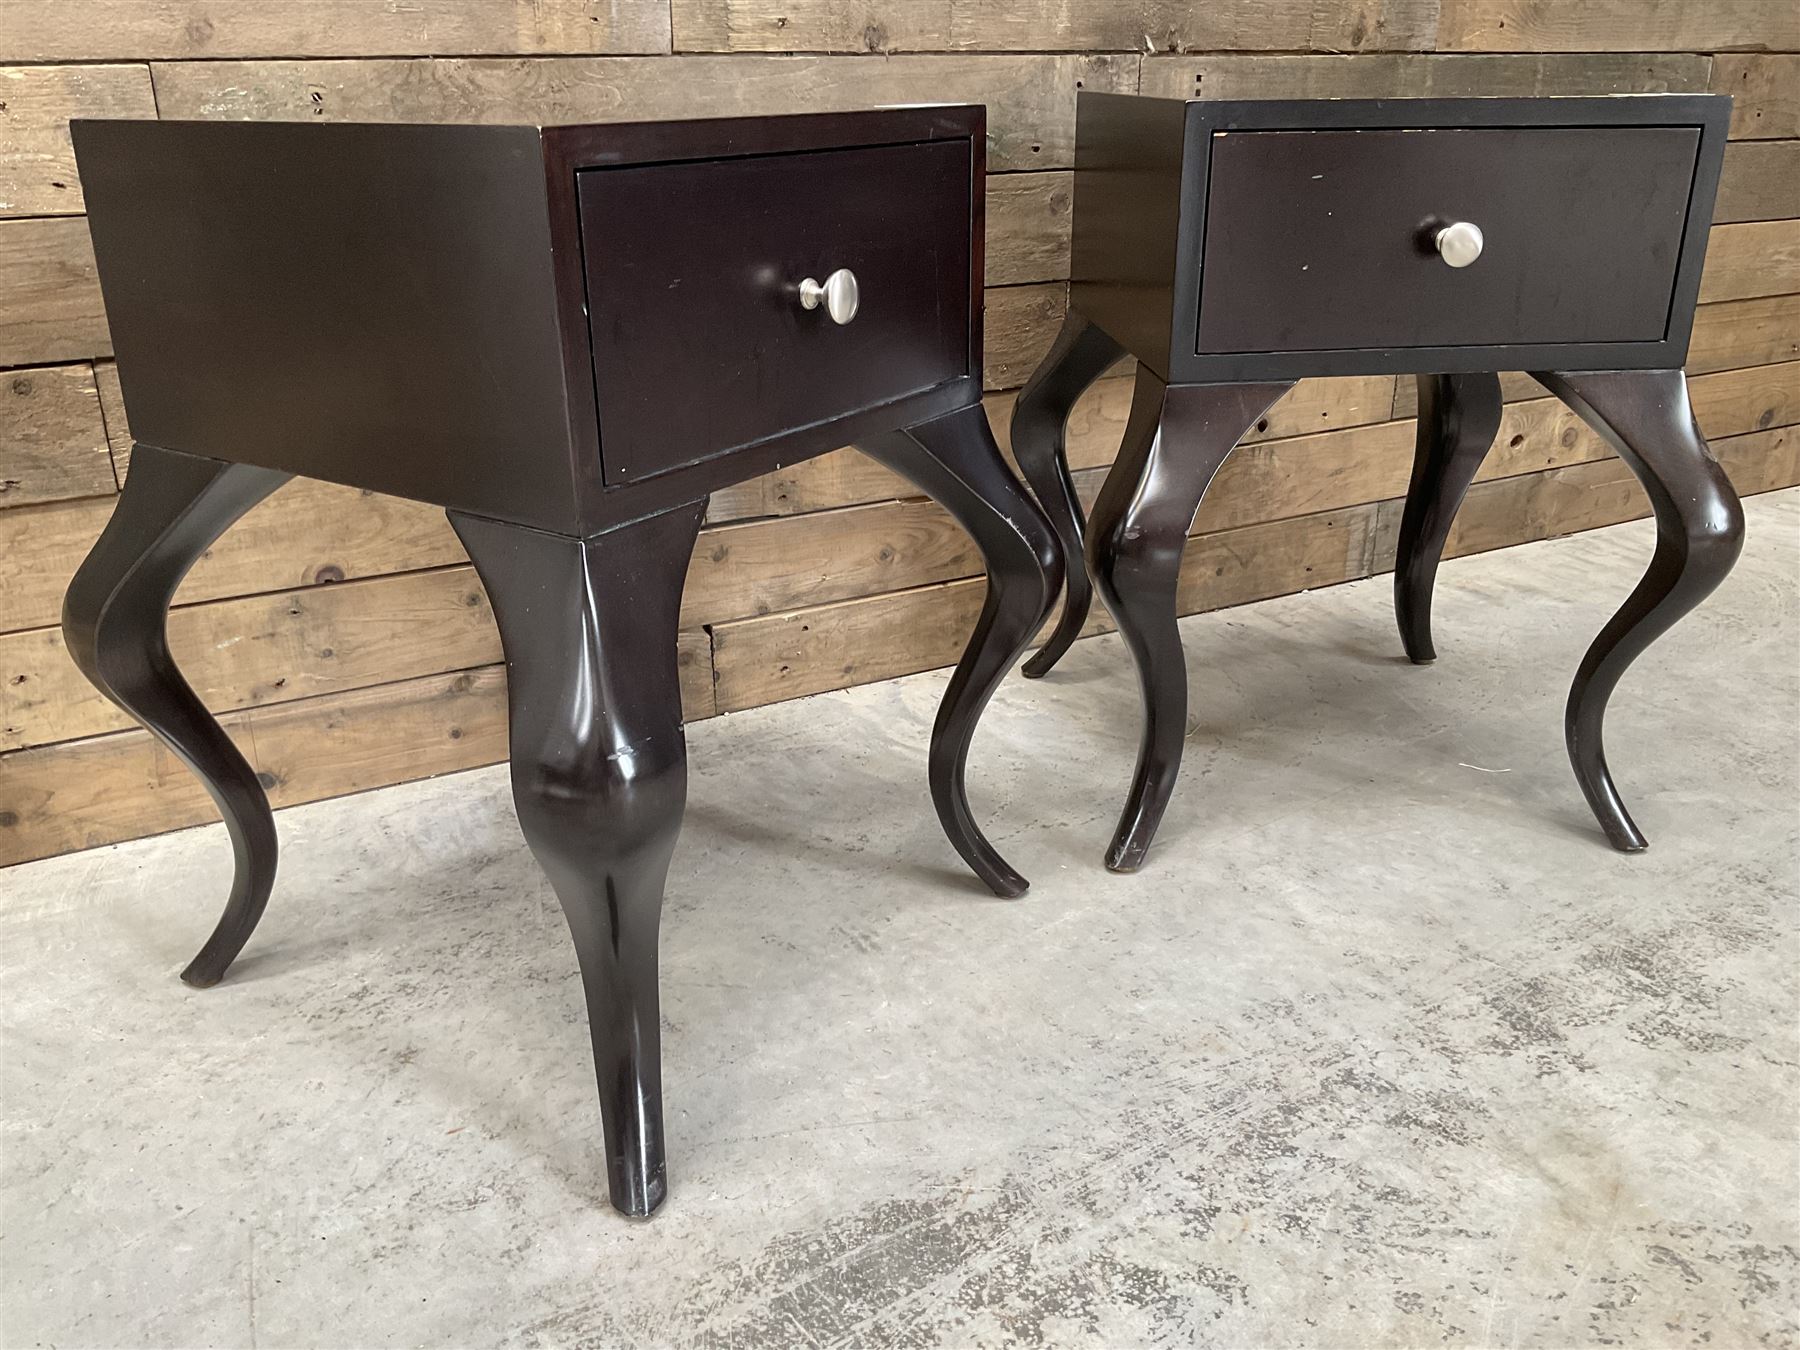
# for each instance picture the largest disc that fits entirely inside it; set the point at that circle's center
(568, 337)
(1236, 247)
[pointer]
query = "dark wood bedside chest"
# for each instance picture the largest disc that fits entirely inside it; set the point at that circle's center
(568, 336)
(1236, 247)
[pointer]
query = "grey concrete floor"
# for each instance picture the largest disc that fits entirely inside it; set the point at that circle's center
(1384, 1048)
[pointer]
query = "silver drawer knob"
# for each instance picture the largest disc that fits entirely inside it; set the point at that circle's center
(839, 295)
(1459, 244)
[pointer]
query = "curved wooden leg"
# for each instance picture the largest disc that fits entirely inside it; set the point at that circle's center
(1458, 416)
(114, 622)
(1177, 438)
(954, 459)
(599, 772)
(1040, 420)
(1644, 415)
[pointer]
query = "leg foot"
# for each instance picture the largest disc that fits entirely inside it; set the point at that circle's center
(1645, 416)
(599, 771)
(954, 460)
(1177, 438)
(1080, 355)
(114, 623)
(1458, 416)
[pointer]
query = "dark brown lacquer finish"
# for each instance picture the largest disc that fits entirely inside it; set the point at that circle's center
(115, 625)
(696, 354)
(1458, 418)
(1320, 240)
(568, 337)
(1234, 247)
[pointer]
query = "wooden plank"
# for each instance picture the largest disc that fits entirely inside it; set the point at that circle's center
(1419, 76)
(1728, 336)
(49, 293)
(137, 30)
(1757, 258)
(782, 656)
(1765, 92)
(1021, 324)
(52, 438)
(37, 161)
(58, 798)
(253, 651)
(1336, 470)
(307, 534)
(257, 650)
(1755, 332)
(1734, 402)
(90, 792)
(846, 478)
(1028, 227)
(1616, 25)
(1030, 99)
(1589, 496)
(1761, 181)
(1050, 25)
(766, 660)
(249, 652)
(112, 412)
(790, 562)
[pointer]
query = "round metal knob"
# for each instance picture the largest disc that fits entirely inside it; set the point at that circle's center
(1459, 244)
(838, 294)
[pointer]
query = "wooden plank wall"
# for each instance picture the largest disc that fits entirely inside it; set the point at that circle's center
(344, 636)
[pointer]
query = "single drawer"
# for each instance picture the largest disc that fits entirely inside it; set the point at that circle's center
(1325, 240)
(701, 344)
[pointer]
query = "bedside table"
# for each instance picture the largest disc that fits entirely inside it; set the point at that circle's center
(567, 336)
(1236, 247)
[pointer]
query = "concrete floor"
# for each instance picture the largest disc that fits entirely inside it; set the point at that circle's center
(1385, 1047)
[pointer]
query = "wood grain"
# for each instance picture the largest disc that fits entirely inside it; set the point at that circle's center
(1762, 258)
(1420, 76)
(878, 637)
(1761, 181)
(1616, 25)
(112, 412)
(138, 30)
(1028, 227)
(306, 534)
(846, 478)
(1765, 92)
(52, 437)
(1050, 25)
(1021, 324)
(37, 161)
(1726, 336)
(86, 793)
(1030, 99)
(49, 294)
(1589, 496)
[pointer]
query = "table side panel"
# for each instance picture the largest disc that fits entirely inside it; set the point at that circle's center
(372, 305)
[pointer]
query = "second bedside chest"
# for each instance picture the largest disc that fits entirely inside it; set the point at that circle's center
(1234, 248)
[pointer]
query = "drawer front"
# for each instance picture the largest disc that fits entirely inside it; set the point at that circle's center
(1323, 240)
(701, 344)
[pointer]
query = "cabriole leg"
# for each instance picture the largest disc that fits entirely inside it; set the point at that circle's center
(954, 459)
(599, 772)
(1175, 441)
(1458, 416)
(1645, 416)
(1080, 355)
(115, 625)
